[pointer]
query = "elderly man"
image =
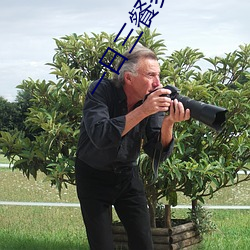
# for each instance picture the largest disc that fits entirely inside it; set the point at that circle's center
(116, 117)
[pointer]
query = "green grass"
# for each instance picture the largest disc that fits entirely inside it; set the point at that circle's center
(54, 228)
(35, 228)
(233, 231)
(17, 187)
(51, 228)
(236, 195)
(3, 159)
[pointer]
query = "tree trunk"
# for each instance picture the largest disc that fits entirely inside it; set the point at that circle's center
(168, 216)
(152, 206)
(194, 205)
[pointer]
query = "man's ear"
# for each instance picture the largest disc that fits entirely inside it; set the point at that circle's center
(128, 77)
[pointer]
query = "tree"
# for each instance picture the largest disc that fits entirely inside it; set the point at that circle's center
(56, 108)
(10, 115)
(203, 161)
(13, 114)
(23, 103)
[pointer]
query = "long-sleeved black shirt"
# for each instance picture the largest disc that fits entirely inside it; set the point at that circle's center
(101, 144)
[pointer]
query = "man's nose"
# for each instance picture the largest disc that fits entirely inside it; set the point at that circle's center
(157, 82)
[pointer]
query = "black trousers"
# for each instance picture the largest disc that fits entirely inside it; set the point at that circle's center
(98, 191)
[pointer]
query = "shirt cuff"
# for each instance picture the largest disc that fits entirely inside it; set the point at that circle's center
(119, 123)
(167, 151)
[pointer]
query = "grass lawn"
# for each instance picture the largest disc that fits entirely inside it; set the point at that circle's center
(45, 228)
(3, 159)
(233, 231)
(35, 228)
(59, 228)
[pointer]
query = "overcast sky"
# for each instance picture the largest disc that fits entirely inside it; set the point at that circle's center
(27, 29)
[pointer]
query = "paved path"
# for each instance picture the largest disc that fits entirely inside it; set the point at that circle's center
(39, 204)
(3, 165)
(61, 204)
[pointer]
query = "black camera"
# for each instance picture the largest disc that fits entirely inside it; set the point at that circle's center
(208, 114)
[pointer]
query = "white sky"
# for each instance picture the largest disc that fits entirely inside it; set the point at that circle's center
(27, 29)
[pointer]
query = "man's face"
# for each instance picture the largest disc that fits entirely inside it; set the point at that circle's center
(147, 78)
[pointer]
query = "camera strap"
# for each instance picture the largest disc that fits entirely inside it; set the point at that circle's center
(156, 157)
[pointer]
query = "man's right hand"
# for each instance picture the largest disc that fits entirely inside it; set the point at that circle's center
(155, 102)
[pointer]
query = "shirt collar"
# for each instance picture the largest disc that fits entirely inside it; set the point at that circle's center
(123, 98)
(121, 95)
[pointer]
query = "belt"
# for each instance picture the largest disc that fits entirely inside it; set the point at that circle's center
(122, 170)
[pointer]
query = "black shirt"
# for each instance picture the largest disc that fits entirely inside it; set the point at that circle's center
(101, 145)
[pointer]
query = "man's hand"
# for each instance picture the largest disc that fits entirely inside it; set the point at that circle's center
(156, 103)
(177, 113)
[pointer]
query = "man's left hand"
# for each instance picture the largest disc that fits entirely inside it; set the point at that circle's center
(177, 113)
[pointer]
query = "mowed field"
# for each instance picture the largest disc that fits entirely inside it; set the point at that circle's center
(54, 228)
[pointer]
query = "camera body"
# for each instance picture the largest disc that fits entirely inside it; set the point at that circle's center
(174, 92)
